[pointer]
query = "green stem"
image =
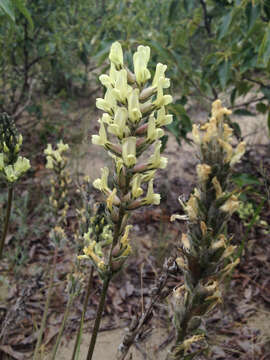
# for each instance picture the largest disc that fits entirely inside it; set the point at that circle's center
(85, 303)
(5, 229)
(47, 304)
(69, 304)
(98, 317)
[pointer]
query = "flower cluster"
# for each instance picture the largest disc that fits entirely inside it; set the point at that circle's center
(12, 166)
(57, 162)
(134, 114)
(205, 253)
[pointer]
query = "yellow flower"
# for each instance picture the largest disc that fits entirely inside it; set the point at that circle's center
(102, 184)
(162, 118)
(160, 76)
(239, 152)
(120, 90)
(100, 139)
(136, 191)
(108, 104)
(153, 133)
(203, 172)
(129, 151)
(192, 208)
(231, 205)
(156, 161)
(116, 55)
(196, 134)
(161, 99)
(218, 111)
(124, 238)
(119, 123)
(140, 61)
(111, 199)
(151, 197)
(134, 111)
(228, 149)
(227, 132)
(62, 147)
(217, 187)
(211, 130)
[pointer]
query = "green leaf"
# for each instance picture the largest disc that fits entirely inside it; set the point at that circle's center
(172, 10)
(252, 13)
(262, 108)
(245, 179)
(233, 95)
(243, 112)
(8, 9)
(227, 19)
(223, 73)
(19, 4)
(264, 49)
(266, 92)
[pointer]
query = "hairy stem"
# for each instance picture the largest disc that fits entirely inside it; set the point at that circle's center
(98, 317)
(6, 223)
(47, 304)
(106, 282)
(77, 344)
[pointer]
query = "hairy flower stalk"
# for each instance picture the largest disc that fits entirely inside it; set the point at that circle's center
(57, 162)
(205, 253)
(59, 206)
(12, 166)
(134, 113)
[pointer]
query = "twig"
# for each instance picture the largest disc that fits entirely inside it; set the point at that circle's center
(248, 102)
(21, 109)
(207, 18)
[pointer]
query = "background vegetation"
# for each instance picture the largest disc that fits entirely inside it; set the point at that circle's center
(52, 53)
